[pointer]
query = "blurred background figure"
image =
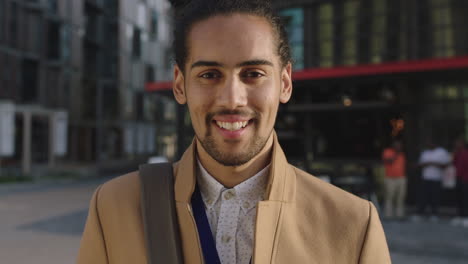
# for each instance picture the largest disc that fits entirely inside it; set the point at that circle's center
(394, 161)
(433, 160)
(460, 161)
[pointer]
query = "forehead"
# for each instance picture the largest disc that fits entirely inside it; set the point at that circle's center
(230, 39)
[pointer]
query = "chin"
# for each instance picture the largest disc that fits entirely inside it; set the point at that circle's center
(232, 160)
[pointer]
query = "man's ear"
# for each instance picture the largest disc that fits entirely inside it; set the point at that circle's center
(286, 83)
(178, 87)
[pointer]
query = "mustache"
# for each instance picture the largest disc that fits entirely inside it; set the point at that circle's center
(244, 113)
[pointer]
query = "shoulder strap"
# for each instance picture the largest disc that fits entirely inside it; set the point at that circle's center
(159, 214)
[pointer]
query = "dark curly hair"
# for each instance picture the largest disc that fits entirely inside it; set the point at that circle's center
(190, 12)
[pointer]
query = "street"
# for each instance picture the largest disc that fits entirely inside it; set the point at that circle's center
(42, 224)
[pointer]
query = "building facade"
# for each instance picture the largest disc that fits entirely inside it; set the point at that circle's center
(380, 70)
(91, 59)
(367, 72)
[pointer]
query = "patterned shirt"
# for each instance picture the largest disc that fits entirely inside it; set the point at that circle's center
(232, 213)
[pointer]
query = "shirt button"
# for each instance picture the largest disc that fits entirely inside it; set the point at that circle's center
(226, 239)
(229, 194)
(246, 205)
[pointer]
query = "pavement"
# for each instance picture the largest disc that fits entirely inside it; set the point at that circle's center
(427, 242)
(42, 223)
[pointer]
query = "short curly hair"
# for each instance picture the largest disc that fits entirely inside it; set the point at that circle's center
(197, 10)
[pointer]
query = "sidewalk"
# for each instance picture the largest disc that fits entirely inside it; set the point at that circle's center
(42, 223)
(426, 242)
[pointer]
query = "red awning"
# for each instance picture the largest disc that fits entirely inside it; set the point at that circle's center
(359, 70)
(383, 68)
(158, 86)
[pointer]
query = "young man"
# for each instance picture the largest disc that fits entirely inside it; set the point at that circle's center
(232, 70)
(394, 161)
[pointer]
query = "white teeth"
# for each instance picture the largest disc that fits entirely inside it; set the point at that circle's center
(232, 126)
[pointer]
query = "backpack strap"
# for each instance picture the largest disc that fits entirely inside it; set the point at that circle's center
(159, 214)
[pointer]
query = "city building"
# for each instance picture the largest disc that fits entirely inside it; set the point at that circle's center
(87, 62)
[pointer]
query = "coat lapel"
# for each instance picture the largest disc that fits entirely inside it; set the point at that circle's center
(184, 172)
(280, 190)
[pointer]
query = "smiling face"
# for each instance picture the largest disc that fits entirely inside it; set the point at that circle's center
(233, 82)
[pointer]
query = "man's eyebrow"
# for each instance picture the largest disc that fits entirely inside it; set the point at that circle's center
(242, 64)
(255, 63)
(206, 64)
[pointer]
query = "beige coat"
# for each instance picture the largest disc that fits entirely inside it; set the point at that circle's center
(301, 220)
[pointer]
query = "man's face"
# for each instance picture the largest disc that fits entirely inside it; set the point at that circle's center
(233, 83)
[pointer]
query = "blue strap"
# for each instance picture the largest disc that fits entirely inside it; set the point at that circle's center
(204, 231)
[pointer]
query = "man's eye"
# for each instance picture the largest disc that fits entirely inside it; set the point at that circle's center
(209, 75)
(253, 74)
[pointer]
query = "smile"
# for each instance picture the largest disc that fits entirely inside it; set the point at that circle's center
(232, 126)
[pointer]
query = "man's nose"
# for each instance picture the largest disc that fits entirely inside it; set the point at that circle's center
(232, 94)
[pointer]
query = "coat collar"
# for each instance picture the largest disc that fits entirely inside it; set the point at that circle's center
(185, 175)
(281, 189)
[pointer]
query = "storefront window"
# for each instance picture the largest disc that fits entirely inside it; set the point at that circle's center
(465, 91)
(442, 28)
(403, 35)
(378, 31)
(350, 24)
(294, 22)
(326, 33)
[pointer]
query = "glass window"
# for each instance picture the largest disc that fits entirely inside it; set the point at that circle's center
(403, 35)
(91, 23)
(52, 5)
(53, 40)
(465, 91)
(136, 43)
(29, 89)
(442, 92)
(150, 73)
(154, 25)
(2, 18)
(149, 107)
(378, 31)
(326, 34)
(13, 30)
(442, 28)
(128, 103)
(110, 99)
(111, 6)
(294, 23)
(65, 39)
(350, 26)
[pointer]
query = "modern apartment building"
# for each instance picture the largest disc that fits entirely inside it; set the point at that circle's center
(89, 59)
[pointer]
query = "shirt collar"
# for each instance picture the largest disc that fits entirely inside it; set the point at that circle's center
(248, 192)
(210, 188)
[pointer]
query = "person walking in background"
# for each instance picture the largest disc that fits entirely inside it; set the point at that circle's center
(460, 161)
(394, 161)
(433, 161)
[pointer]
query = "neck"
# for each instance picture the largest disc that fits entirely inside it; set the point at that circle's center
(230, 176)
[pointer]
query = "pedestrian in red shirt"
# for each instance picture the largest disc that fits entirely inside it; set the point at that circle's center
(460, 161)
(394, 161)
